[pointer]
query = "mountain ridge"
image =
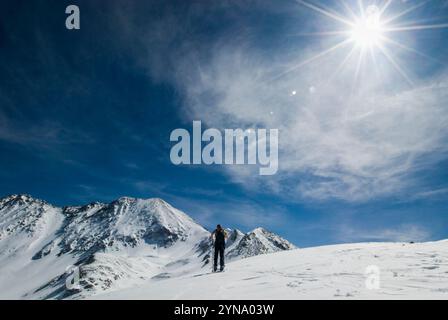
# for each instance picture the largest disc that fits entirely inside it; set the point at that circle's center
(112, 244)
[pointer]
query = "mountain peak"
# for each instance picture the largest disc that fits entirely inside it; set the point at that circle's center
(126, 223)
(259, 230)
(131, 200)
(25, 198)
(259, 241)
(24, 216)
(17, 197)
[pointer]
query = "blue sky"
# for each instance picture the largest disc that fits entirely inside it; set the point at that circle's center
(86, 115)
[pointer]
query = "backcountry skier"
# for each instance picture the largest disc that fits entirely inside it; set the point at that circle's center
(219, 235)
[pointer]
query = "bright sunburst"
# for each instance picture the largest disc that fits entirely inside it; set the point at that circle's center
(367, 31)
(368, 28)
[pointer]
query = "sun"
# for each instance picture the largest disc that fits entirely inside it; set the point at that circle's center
(367, 31)
(370, 30)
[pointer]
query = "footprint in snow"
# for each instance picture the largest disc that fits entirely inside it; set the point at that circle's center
(431, 268)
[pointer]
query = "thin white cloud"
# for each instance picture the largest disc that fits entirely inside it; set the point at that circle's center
(44, 134)
(403, 233)
(435, 193)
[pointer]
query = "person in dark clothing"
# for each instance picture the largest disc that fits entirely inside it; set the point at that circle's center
(219, 235)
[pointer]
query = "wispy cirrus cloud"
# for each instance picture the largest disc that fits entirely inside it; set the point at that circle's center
(46, 134)
(431, 194)
(403, 233)
(341, 136)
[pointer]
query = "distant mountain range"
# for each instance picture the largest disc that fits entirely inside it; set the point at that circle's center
(106, 246)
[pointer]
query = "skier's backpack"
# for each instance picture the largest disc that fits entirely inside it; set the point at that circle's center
(219, 236)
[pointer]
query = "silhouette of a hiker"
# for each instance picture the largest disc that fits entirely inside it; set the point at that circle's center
(219, 235)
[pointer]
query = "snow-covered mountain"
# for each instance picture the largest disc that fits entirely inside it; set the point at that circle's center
(106, 246)
(124, 224)
(258, 241)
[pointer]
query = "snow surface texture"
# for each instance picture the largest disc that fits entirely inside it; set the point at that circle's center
(407, 271)
(76, 252)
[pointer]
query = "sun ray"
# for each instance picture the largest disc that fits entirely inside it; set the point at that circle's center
(325, 12)
(375, 62)
(395, 28)
(404, 47)
(322, 33)
(395, 64)
(341, 65)
(405, 12)
(421, 21)
(350, 11)
(309, 60)
(358, 65)
(417, 27)
(361, 9)
(384, 8)
(333, 11)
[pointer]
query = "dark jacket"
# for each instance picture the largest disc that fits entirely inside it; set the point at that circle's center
(220, 237)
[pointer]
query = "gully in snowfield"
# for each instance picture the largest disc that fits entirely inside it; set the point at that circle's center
(219, 236)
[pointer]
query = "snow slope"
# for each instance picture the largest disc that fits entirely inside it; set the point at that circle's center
(411, 271)
(26, 226)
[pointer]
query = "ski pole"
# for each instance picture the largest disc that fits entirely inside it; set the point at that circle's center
(212, 258)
